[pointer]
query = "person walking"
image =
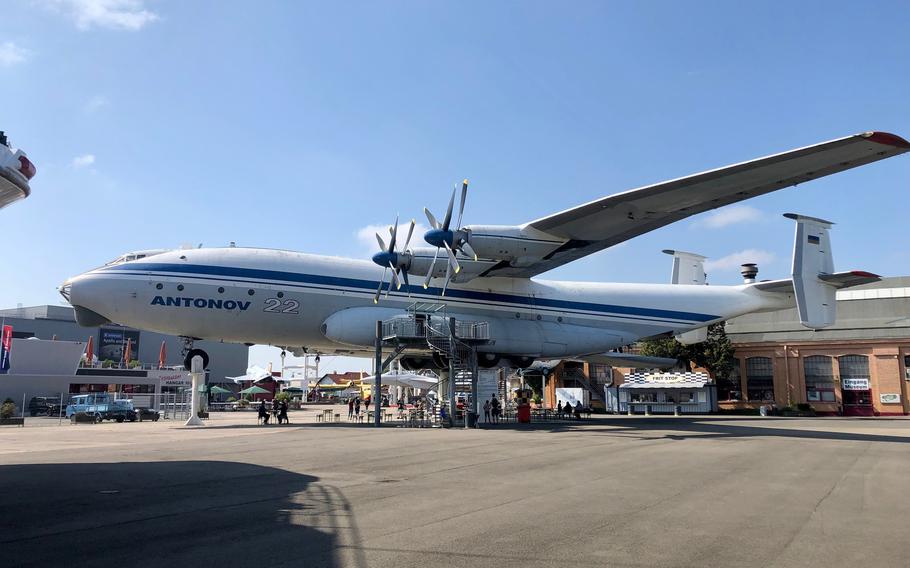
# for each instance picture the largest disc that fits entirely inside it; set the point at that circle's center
(486, 411)
(351, 408)
(357, 407)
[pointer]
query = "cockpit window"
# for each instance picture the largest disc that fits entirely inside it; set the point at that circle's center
(131, 256)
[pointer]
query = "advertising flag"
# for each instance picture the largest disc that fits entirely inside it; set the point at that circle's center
(6, 344)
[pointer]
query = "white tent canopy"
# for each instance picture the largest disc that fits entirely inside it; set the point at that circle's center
(408, 380)
(256, 373)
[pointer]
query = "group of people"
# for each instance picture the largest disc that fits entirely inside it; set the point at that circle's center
(354, 406)
(279, 412)
(492, 410)
(569, 410)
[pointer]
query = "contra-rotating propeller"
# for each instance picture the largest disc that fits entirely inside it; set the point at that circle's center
(443, 236)
(388, 257)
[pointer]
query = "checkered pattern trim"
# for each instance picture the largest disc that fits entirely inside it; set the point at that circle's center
(685, 380)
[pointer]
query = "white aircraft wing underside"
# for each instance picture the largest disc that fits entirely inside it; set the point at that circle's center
(611, 220)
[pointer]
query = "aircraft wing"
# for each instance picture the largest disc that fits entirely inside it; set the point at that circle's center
(611, 220)
(631, 360)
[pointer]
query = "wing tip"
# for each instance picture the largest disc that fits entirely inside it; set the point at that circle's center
(887, 139)
(865, 274)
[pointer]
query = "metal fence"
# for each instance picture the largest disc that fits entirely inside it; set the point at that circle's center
(169, 405)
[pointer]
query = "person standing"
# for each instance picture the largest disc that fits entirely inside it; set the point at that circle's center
(357, 407)
(486, 411)
(495, 409)
(263, 413)
(351, 408)
(283, 412)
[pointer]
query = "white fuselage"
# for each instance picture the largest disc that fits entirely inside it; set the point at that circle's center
(288, 299)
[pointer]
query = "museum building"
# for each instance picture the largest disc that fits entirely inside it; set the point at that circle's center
(858, 367)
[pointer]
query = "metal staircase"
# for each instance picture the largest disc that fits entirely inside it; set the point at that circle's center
(428, 328)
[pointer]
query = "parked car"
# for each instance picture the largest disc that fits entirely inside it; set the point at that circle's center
(44, 406)
(143, 413)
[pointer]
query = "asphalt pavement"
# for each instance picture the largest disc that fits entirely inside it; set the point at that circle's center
(620, 491)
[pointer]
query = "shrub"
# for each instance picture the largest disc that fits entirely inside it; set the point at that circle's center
(283, 396)
(134, 363)
(804, 407)
(8, 408)
(107, 364)
(232, 399)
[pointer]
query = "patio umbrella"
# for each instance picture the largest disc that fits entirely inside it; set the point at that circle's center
(162, 355)
(214, 389)
(254, 390)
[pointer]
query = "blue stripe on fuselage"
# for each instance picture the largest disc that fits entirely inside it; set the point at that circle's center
(370, 285)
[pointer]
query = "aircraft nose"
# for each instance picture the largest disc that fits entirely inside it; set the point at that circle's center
(73, 291)
(66, 288)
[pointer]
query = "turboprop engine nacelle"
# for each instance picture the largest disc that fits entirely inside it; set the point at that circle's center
(519, 246)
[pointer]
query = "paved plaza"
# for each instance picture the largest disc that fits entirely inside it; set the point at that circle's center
(618, 491)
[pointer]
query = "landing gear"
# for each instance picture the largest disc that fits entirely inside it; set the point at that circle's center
(522, 362)
(188, 359)
(487, 360)
(189, 352)
(414, 363)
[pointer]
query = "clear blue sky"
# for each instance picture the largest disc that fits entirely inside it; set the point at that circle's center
(296, 125)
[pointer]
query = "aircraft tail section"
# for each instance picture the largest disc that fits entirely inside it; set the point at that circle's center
(689, 269)
(813, 282)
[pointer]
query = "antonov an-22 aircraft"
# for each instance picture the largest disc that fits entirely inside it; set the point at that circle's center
(330, 305)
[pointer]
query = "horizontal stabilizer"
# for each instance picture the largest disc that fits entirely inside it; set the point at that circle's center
(839, 280)
(630, 360)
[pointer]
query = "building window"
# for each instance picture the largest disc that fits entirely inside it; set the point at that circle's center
(819, 379)
(760, 379)
(729, 388)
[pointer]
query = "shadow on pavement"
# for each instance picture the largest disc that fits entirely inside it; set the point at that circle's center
(182, 513)
(703, 427)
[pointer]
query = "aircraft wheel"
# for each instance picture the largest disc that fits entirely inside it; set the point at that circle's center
(188, 360)
(522, 362)
(487, 360)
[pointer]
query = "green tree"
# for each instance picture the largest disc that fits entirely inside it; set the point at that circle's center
(714, 354)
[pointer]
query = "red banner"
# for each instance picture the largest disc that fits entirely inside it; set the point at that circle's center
(6, 345)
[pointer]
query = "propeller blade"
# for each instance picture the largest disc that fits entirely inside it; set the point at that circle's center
(426, 283)
(464, 195)
(433, 223)
(407, 285)
(395, 277)
(380, 241)
(452, 260)
(448, 277)
(448, 217)
(466, 248)
(394, 231)
(379, 290)
(407, 241)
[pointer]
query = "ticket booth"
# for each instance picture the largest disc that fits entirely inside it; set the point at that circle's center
(662, 393)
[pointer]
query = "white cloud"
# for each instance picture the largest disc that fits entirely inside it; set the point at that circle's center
(95, 104)
(733, 261)
(366, 236)
(11, 54)
(83, 161)
(729, 216)
(128, 15)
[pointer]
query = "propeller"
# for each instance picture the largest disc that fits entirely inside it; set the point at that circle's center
(441, 235)
(399, 261)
